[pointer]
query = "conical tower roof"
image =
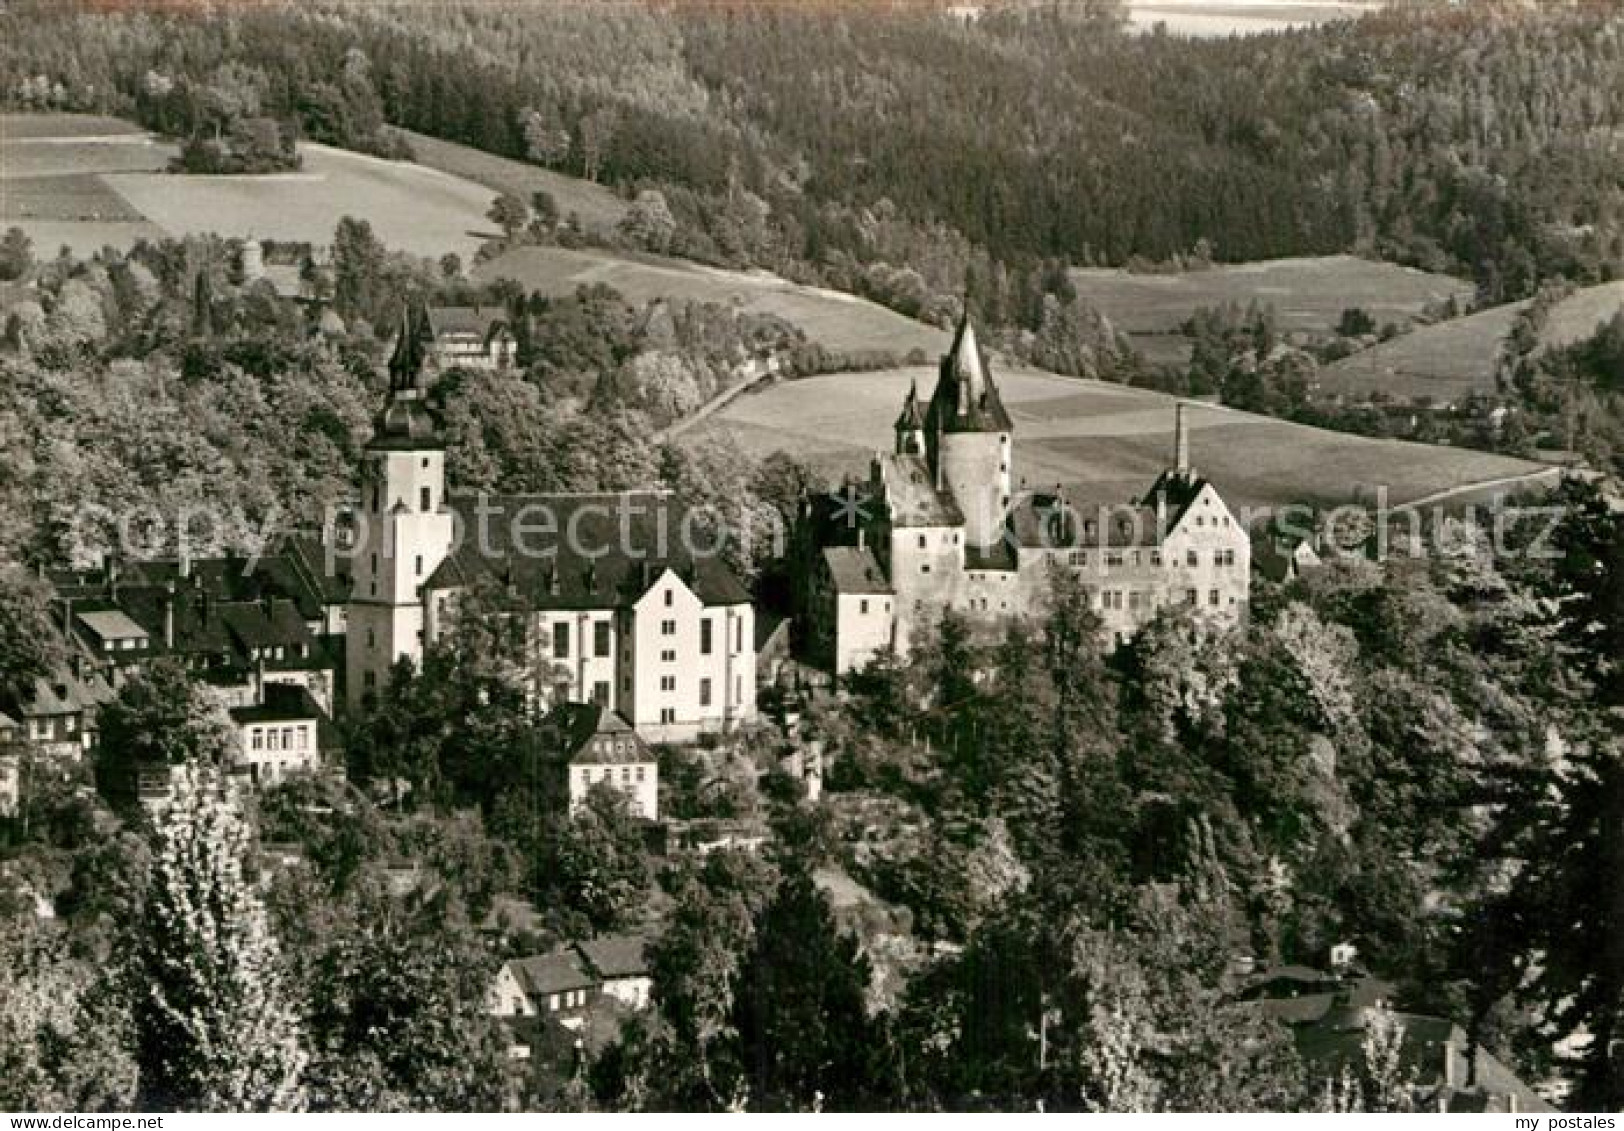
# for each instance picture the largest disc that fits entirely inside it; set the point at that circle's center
(966, 399)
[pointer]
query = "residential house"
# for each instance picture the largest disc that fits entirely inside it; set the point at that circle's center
(598, 747)
(1330, 1014)
(279, 736)
(473, 337)
(620, 964)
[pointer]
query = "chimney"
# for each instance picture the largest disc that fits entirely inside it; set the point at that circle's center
(67, 616)
(112, 579)
(862, 540)
(1181, 441)
(1449, 1064)
(185, 563)
(169, 616)
(259, 681)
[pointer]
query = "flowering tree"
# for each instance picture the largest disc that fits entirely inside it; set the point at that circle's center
(216, 1027)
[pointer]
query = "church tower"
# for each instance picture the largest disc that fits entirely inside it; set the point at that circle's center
(405, 528)
(968, 439)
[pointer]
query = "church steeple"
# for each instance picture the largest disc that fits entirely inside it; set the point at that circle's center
(413, 344)
(407, 420)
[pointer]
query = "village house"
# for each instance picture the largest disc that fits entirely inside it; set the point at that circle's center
(625, 602)
(1330, 1014)
(938, 525)
(471, 337)
(279, 736)
(595, 746)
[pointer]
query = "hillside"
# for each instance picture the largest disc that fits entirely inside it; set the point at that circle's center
(87, 182)
(1457, 358)
(837, 321)
(598, 208)
(1107, 442)
(1308, 294)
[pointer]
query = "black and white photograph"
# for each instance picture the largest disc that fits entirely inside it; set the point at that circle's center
(969, 557)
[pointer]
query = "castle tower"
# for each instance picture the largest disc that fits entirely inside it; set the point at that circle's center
(405, 527)
(968, 439)
(910, 425)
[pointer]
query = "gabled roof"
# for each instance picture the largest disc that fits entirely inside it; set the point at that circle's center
(551, 973)
(65, 692)
(582, 551)
(616, 956)
(478, 321)
(854, 570)
(112, 624)
(591, 734)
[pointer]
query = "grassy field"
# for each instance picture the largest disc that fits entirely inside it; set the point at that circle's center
(1107, 442)
(85, 182)
(837, 321)
(1457, 358)
(598, 207)
(1308, 294)
(410, 208)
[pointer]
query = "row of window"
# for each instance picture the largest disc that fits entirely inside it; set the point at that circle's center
(608, 775)
(1116, 558)
(601, 639)
(1113, 600)
(279, 738)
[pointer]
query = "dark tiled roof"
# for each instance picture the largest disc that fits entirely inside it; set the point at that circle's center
(966, 398)
(284, 702)
(64, 692)
(582, 551)
(480, 321)
(616, 956)
(1051, 522)
(855, 570)
(911, 494)
(589, 734)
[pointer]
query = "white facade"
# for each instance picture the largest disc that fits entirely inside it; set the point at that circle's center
(271, 751)
(403, 533)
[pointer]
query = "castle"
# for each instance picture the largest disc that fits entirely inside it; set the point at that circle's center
(937, 525)
(622, 607)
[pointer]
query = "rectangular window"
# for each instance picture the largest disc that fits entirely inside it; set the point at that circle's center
(419, 565)
(738, 636)
(921, 541)
(705, 636)
(561, 641)
(600, 638)
(668, 655)
(256, 739)
(1212, 597)
(668, 715)
(668, 683)
(704, 692)
(640, 771)
(1191, 596)
(862, 606)
(670, 596)
(287, 738)
(668, 628)
(425, 496)
(600, 693)
(1192, 558)
(304, 738)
